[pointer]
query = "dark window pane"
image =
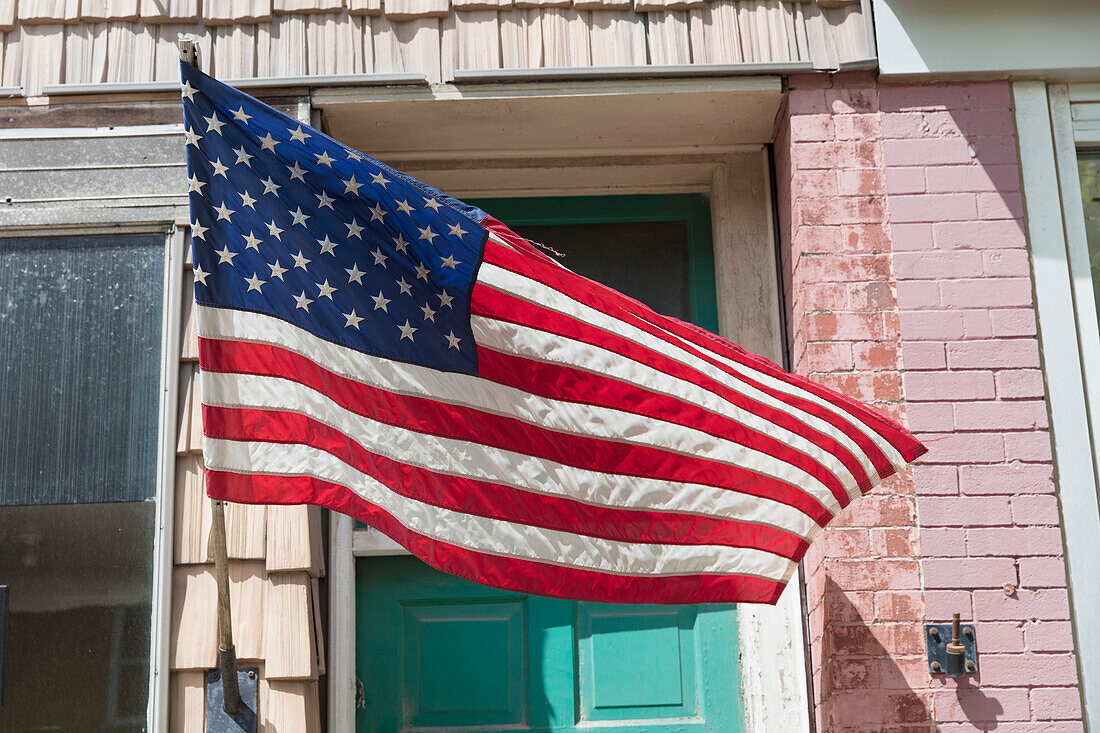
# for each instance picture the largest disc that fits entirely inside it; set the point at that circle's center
(646, 260)
(80, 321)
(80, 578)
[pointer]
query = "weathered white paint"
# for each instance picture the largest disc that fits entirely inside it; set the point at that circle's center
(1070, 337)
(987, 36)
(161, 628)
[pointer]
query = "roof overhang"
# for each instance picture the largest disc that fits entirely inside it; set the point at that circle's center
(493, 118)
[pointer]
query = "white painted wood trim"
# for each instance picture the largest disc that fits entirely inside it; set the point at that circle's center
(1070, 339)
(166, 483)
(1081, 507)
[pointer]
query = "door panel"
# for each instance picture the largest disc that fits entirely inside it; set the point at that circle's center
(439, 653)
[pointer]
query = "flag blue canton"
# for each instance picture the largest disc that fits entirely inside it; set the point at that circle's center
(289, 222)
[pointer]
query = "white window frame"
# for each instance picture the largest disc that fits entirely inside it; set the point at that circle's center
(66, 219)
(1053, 123)
(737, 181)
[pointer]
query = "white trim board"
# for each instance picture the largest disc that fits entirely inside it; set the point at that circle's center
(1070, 338)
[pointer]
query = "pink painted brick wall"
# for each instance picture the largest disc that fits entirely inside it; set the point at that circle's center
(864, 583)
(908, 286)
(986, 507)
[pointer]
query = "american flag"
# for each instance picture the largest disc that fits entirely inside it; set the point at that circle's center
(372, 345)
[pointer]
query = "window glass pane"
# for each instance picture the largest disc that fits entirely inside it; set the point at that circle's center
(80, 322)
(645, 260)
(1089, 166)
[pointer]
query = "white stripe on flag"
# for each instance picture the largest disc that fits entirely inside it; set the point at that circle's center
(466, 459)
(493, 536)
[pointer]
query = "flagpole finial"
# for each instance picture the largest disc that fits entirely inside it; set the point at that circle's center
(189, 51)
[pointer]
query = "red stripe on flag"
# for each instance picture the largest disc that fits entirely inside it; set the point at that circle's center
(543, 378)
(524, 576)
(463, 423)
(698, 343)
(497, 501)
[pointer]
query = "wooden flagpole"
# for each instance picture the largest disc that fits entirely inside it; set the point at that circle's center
(227, 655)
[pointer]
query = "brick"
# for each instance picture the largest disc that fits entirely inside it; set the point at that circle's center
(940, 386)
(814, 183)
(1012, 478)
(844, 268)
(862, 182)
(973, 705)
(993, 95)
(1013, 415)
(987, 292)
(894, 542)
(1049, 636)
(1056, 703)
(1004, 234)
(931, 417)
(1013, 541)
(844, 672)
(1004, 353)
(964, 448)
(806, 101)
(972, 177)
(932, 325)
(1024, 669)
(904, 125)
(1028, 446)
(989, 123)
(878, 510)
(976, 324)
(1002, 636)
(925, 151)
(829, 356)
(876, 355)
(933, 96)
(841, 210)
(848, 606)
(872, 296)
(1013, 322)
(808, 156)
(942, 542)
(1006, 263)
(942, 603)
(905, 180)
(914, 294)
(1019, 383)
(968, 573)
(811, 127)
(892, 605)
(993, 149)
(911, 237)
(966, 511)
(874, 574)
(935, 480)
(1000, 205)
(937, 264)
(844, 101)
(857, 127)
(1042, 572)
(923, 354)
(1045, 604)
(933, 207)
(1035, 509)
(845, 543)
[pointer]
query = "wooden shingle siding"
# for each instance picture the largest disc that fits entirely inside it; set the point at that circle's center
(89, 41)
(276, 556)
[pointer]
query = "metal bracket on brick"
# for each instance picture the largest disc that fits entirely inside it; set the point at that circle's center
(952, 648)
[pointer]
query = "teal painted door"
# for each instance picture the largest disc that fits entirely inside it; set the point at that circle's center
(439, 653)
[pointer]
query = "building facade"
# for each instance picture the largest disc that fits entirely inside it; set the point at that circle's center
(897, 199)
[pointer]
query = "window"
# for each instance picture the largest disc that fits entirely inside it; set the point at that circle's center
(80, 331)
